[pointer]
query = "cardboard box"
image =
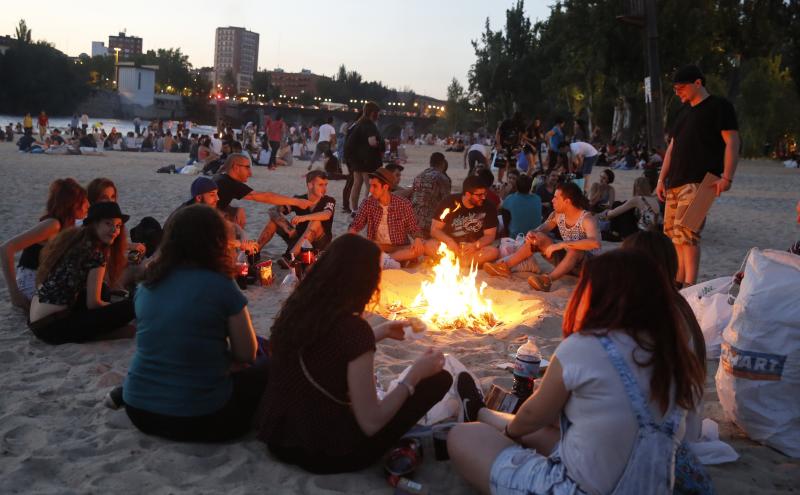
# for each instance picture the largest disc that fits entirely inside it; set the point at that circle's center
(695, 214)
(500, 399)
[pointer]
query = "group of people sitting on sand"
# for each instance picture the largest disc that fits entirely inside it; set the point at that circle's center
(622, 391)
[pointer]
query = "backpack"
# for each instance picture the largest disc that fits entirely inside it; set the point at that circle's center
(350, 145)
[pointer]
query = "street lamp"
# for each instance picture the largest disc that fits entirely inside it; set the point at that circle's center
(116, 63)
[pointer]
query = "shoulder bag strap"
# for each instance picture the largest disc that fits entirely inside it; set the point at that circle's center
(318, 386)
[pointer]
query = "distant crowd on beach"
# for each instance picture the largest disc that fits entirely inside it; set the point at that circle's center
(616, 408)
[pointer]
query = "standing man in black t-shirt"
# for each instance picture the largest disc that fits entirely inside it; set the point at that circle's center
(466, 223)
(507, 141)
(231, 185)
(704, 139)
(363, 150)
(314, 223)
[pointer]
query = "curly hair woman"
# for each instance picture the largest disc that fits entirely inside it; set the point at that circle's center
(190, 378)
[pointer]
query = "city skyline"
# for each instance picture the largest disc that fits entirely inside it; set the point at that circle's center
(415, 45)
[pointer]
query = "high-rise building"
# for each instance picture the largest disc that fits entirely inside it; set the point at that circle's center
(235, 50)
(128, 45)
(99, 48)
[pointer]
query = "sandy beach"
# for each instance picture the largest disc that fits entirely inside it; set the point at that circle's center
(56, 436)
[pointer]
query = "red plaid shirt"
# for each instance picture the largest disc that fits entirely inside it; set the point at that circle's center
(400, 219)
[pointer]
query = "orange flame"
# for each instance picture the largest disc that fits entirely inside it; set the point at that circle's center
(453, 300)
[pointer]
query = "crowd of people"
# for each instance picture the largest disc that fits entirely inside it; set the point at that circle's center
(309, 391)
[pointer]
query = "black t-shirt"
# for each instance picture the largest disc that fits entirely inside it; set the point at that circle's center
(57, 139)
(510, 132)
(466, 224)
(230, 189)
(697, 144)
(326, 203)
(301, 417)
(365, 158)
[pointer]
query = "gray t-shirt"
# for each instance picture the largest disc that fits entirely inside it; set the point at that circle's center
(596, 447)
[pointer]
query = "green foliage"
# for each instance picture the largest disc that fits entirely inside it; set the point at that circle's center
(350, 85)
(229, 83)
(262, 85)
(36, 76)
(770, 101)
(22, 32)
(457, 114)
(173, 68)
(582, 60)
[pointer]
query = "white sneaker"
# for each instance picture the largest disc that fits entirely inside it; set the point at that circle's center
(387, 262)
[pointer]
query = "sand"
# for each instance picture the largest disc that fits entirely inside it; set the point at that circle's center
(57, 437)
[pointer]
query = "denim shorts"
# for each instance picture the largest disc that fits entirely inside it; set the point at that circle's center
(588, 163)
(520, 471)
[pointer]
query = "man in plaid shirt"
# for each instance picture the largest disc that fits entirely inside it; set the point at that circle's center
(389, 220)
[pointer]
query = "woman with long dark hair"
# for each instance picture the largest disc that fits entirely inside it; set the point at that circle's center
(66, 202)
(322, 411)
(68, 306)
(193, 330)
(662, 250)
(621, 382)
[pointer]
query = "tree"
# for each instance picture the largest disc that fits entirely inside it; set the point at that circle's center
(582, 62)
(173, 68)
(229, 84)
(36, 76)
(456, 113)
(23, 33)
(262, 85)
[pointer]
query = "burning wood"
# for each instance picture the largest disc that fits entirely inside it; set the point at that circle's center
(451, 300)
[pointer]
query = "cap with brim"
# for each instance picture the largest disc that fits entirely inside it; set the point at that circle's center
(105, 210)
(202, 185)
(384, 175)
(687, 75)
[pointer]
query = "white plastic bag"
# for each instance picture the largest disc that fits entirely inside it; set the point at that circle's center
(449, 408)
(758, 380)
(509, 246)
(190, 170)
(709, 301)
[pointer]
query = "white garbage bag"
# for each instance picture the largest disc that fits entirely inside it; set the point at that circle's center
(709, 301)
(449, 408)
(758, 380)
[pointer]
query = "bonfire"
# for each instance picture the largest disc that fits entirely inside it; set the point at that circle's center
(452, 299)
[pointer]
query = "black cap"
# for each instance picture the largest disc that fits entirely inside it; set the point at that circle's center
(106, 209)
(688, 74)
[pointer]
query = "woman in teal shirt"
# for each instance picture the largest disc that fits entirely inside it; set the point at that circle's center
(193, 331)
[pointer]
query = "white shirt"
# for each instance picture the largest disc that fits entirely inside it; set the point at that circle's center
(263, 156)
(382, 235)
(595, 449)
(580, 148)
(216, 145)
(325, 133)
(478, 147)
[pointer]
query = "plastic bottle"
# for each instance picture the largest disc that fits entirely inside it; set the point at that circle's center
(735, 286)
(289, 282)
(526, 369)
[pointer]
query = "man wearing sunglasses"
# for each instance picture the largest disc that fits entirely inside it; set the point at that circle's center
(232, 185)
(466, 223)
